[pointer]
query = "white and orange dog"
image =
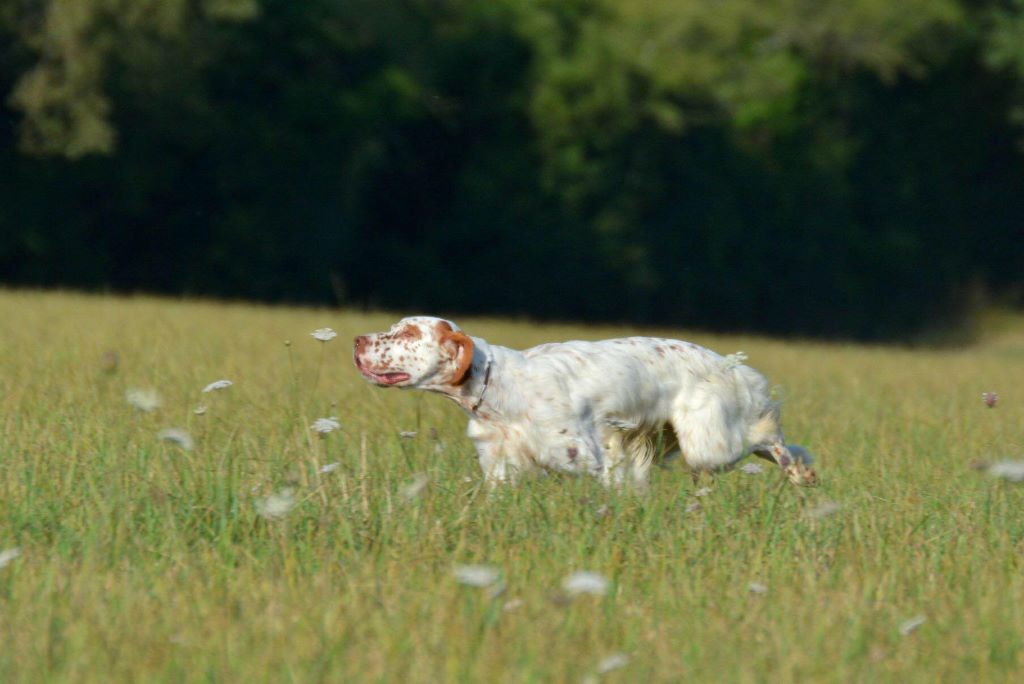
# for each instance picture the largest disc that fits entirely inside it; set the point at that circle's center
(588, 407)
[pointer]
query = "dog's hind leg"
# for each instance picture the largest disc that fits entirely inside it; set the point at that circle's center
(641, 451)
(615, 458)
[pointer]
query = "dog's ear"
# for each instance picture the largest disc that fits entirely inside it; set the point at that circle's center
(460, 346)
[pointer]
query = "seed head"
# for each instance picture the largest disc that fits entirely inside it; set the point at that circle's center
(109, 361)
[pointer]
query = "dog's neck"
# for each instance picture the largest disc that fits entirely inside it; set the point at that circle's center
(480, 371)
(482, 396)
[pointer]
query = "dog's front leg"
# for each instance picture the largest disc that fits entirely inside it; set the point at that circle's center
(494, 465)
(492, 453)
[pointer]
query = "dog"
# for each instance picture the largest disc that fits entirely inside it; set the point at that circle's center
(601, 408)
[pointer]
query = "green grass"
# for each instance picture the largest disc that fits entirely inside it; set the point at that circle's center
(143, 562)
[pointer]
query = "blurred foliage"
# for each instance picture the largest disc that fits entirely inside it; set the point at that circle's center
(827, 168)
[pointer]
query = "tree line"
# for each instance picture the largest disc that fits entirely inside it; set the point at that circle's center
(836, 168)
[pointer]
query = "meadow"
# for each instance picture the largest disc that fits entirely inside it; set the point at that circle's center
(267, 552)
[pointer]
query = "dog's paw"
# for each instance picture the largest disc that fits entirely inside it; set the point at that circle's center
(801, 475)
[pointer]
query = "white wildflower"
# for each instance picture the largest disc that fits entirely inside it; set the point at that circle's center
(415, 488)
(276, 506)
(330, 467)
(407, 434)
(611, 662)
(824, 509)
(324, 334)
(143, 399)
(176, 436)
(584, 582)
(199, 410)
(1012, 471)
(757, 588)
(8, 555)
(325, 426)
(476, 575)
(703, 491)
(908, 626)
(218, 385)
(752, 468)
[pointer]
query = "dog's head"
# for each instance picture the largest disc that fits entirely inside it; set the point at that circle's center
(421, 351)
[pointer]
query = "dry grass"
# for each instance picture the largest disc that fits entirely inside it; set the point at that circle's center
(144, 562)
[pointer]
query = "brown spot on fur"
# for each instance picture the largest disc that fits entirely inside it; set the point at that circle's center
(410, 332)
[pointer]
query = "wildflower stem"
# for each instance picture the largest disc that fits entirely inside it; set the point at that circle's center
(291, 367)
(316, 470)
(319, 365)
(362, 476)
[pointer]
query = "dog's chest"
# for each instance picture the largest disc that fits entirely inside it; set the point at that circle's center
(526, 445)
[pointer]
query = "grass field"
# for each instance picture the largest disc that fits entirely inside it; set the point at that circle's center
(238, 561)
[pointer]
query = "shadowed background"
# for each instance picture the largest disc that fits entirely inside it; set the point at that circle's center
(822, 168)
